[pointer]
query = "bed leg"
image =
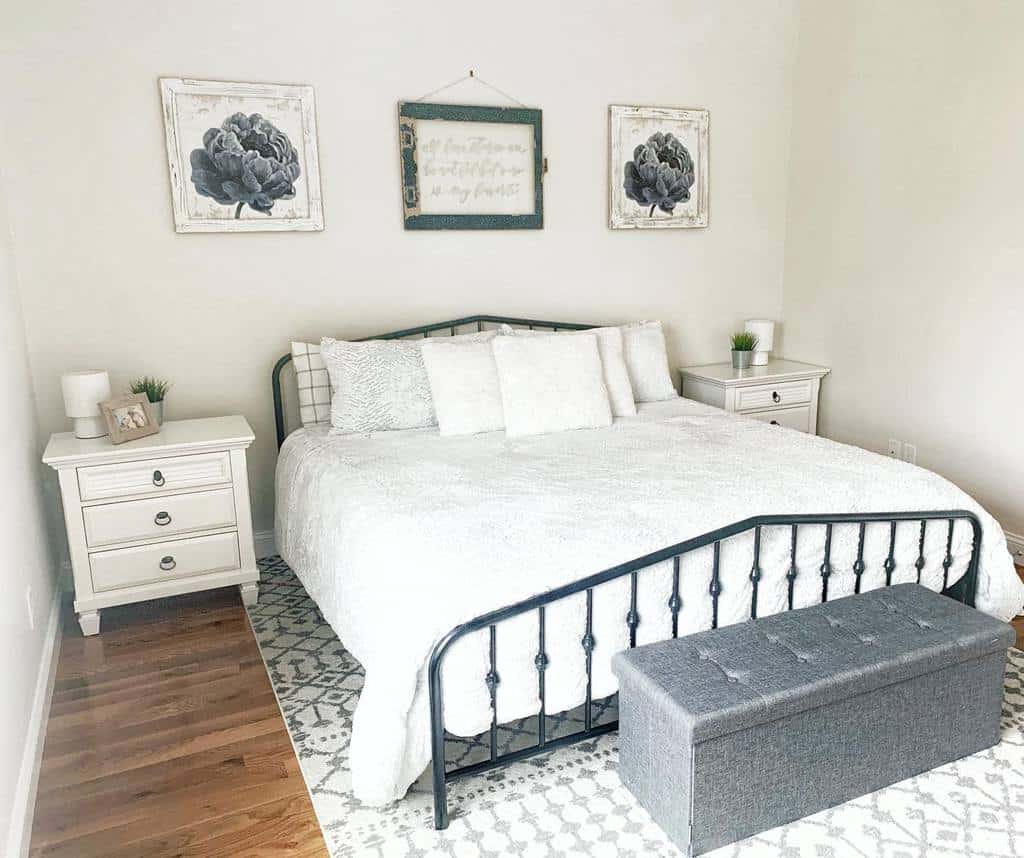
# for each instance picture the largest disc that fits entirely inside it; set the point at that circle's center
(437, 744)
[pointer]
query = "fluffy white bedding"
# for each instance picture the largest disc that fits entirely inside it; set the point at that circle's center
(400, 536)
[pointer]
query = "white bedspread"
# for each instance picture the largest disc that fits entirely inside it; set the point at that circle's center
(401, 536)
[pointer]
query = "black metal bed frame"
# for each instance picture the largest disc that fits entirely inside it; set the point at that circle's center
(964, 590)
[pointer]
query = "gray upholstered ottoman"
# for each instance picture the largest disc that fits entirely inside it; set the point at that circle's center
(726, 733)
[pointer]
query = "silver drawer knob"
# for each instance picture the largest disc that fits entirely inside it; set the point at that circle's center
(162, 518)
(158, 479)
(167, 563)
(776, 397)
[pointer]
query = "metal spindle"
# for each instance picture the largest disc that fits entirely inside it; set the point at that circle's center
(947, 561)
(480, 326)
(919, 563)
(826, 566)
(674, 602)
(632, 618)
(588, 648)
(890, 561)
(755, 573)
(858, 564)
(716, 585)
(791, 574)
(541, 663)
(492, 680)
(452, 329)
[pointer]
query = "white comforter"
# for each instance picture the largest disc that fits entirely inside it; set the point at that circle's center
(401, 536)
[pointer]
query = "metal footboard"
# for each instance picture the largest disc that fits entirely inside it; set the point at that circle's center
(963, 590)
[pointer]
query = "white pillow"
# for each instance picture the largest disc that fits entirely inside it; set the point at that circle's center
(377, 385)
(643, 345)
(464, 386)
(613, 365)
(549, 384)
(313, 383)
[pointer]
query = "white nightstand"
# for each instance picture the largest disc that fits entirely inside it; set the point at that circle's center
(159, 516)
(782, 392)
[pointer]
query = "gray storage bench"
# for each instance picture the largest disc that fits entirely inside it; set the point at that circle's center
(726, 733)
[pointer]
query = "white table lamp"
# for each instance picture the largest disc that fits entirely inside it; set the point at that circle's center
(764, 330)
(83, 391)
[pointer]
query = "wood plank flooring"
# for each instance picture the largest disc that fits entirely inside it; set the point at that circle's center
(164, 739)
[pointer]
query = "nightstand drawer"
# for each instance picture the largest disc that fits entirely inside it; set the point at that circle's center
(780, 395)
(158, 517)
(151, 476)
(792, 418)
(164, 561)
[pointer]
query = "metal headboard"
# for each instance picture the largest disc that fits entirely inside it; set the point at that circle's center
(451, 326)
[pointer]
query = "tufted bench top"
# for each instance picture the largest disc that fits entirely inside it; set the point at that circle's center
(739, 676)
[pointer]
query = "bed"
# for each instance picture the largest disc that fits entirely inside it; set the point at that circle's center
(484, 582)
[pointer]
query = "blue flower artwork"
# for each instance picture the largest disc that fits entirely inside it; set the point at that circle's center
(660, 174)
(247, 161)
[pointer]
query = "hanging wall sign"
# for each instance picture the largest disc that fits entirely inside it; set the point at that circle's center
(468, 167)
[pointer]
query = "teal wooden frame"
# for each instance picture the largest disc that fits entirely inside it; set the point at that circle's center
(410, 111)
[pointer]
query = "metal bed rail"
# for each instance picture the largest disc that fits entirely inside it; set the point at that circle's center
(964, 590)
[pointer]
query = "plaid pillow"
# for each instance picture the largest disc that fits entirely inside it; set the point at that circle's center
(313, 383)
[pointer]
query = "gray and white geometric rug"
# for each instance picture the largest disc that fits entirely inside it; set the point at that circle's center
(571, 803)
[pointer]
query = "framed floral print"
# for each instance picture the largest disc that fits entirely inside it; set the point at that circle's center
(658, 167)
(242, 156)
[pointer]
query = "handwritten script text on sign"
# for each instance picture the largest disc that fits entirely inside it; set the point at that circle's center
(475, 167)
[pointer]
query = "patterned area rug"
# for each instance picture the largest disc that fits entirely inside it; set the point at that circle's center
(571, 803)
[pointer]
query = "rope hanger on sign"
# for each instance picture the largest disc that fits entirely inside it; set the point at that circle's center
(471, 76)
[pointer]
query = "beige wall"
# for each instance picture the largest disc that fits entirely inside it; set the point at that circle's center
(27, 558)
(107, 283)
(905, 244)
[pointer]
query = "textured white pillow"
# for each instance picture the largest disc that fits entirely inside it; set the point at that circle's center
(643, 345)
(613, 364)
(313, 383)
(549, 384)
(377, 385)
(464, 386)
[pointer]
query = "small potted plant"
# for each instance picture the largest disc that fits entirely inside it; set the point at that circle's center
(743, 345)
(155, 390)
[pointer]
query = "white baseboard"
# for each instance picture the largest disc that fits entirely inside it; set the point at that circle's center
(1015, 542)
(264, 540)
(19, 838)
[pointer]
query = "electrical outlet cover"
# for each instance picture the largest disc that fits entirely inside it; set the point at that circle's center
(910, 453)
(895, 448)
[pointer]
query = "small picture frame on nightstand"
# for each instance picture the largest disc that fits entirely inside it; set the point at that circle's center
(128, 418)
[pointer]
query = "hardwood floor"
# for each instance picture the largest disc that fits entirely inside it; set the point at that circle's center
(165, 739)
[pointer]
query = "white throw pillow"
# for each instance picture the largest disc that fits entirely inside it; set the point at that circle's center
(549, 384)
(464, 386)
(313, 383)
(643, 344)
(377, 385)
(613, 364)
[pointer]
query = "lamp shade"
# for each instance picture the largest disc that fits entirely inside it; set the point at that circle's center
(764, 330)
(83, 391)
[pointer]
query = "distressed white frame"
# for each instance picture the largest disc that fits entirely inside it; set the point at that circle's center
(616, 158)
(178, 162)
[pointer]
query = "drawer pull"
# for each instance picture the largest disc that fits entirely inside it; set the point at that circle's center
(158, 479)
(775, 422)
(167, 563)
(162, 518)
(776, 397)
